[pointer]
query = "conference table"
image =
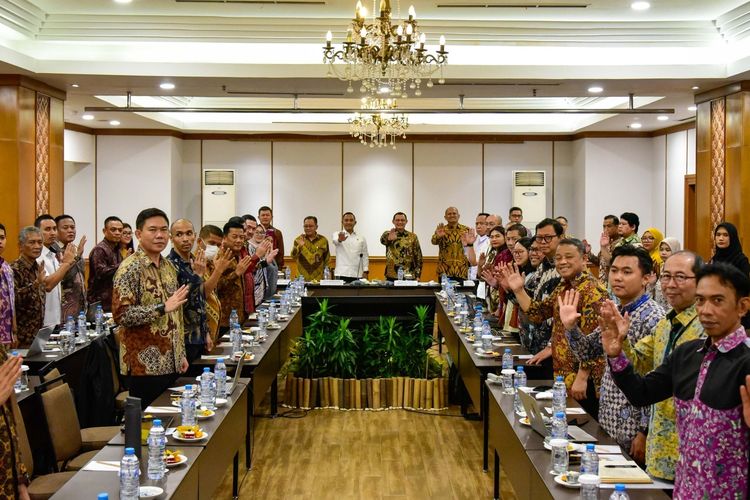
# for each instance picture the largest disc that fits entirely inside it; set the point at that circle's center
(262, 371)
(524, 459)
(226, 433)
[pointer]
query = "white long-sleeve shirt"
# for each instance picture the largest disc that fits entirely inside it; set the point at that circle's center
(348, 252)
(53, 299)
(481, 246)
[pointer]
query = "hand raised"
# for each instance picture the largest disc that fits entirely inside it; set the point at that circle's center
(568, 308)
(745, 396)
(9, 373)
(343, 235)
(440, 230)
(262, 249)
(176, 300)
(300, 241)
(511, 275)
(482, 260)
(610, 323)
(199, 262)
(392, 234)
(223, 259)
(489, 277)
(243, 265)
(81, 244)
(604, 239)
(70, 254)
(41, 273)
(270, 256)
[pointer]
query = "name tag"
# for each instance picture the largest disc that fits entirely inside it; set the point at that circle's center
(331, 282)
(406, 283)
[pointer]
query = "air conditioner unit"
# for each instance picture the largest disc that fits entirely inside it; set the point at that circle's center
(530, 194)
(219, 196)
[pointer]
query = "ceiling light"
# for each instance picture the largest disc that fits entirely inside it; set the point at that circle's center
(695, 87)
(693, 108)
(114, 123)
(595, 89)
(166, 86)
(640, 5)
(87, 117)
(635, 125)
(123, 1)
(662, 118)
(75, 85)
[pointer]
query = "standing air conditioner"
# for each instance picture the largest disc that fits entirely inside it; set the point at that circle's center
(219, 196)
(530, 193)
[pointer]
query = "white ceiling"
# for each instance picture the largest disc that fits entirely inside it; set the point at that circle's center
(259, 54)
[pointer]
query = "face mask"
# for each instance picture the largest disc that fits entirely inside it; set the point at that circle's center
(211, 251)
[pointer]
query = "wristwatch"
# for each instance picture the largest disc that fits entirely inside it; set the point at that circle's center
(161, 308)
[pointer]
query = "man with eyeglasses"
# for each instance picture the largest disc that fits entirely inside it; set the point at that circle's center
(482, 244)
(607, 242)
(679, 326)
(628, 230)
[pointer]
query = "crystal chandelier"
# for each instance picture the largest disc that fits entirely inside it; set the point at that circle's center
(379, 127)
(386, 59)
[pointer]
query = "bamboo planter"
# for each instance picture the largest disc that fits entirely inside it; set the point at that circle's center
(366, 394)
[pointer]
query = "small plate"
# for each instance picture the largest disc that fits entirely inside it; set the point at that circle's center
(571, 447)
(466, 329)
(149, 491)
(220, 402)
(181, 460)
(562, 480)
(248, 356)
(283, 317)
(524, 421)
(179, 437)
(229, 378)
(200, 416)
(273, 326)
(489, 355)
(177, 404)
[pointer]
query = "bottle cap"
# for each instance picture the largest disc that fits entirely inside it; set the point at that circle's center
(219, 360)
(206, 369)
(519, 369)
(619, 487)
(558, 378)
(102, 496)
(589, 479)
(507, 349)
(507, 371)
(590, 447)
(558, 442)
(129, 451)
(560, 414)
(156, 423)
(14, 353)
(189, 387)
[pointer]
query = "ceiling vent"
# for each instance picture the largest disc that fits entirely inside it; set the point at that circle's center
(534, 5)
(256, 2)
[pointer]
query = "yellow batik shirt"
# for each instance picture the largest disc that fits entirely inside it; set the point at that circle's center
(647, 354)
(311, 257)
(403, 252)
(451, 257)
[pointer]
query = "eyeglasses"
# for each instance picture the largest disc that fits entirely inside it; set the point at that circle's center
(679, 279)
(519, 253)
(648, 238)
(535, 250)
(544, 238)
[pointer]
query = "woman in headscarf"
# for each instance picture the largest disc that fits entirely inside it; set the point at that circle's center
(651, 240)
(727, 247)
(667, 247)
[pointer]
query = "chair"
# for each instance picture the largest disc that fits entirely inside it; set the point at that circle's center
(41, 487)
(49, 373)
(65, 433)
(121, 393)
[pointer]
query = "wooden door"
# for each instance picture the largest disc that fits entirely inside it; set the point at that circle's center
(691, 214)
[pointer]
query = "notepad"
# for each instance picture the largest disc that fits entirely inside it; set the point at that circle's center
(575, 411)
(162, 409)
(102, 466)
(622, 471)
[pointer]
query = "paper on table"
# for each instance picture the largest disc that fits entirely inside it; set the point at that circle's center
(523, 356)
(161, 409)
(608, 448)
(102, 466)
(578, 411)
(282, 282)
(212, 356)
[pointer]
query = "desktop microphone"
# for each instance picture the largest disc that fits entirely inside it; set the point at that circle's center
(359, 267)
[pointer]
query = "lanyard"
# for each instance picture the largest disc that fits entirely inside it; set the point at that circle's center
(674, 337)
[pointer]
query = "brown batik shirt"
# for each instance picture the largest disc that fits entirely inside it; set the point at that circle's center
(12, 468)
(152, 343)
(30, 296)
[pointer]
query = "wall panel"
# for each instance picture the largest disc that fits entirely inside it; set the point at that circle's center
(677, 163)
(377, 184)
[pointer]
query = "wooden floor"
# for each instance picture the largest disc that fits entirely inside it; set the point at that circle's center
(395, 454)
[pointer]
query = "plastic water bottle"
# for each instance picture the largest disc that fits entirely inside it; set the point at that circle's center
(507, 359)
(18, 386)
(326, 273)
(477, 326)
(589, 486)
(519, 380)
(487, 337)
(130, 475)
(83, 326)
(559, 426)
(233, 317)
(400, 274)
(590, 460)
(220, 372)
(620, 493)
(208, 389)
(157, 445)
(187, 406)
(559, 395)
(236, 338)
(99, 318)
(102, 496)
(287, 272)
(70, 325)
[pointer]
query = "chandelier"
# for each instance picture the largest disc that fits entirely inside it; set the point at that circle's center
(386, 59)
(380, 127)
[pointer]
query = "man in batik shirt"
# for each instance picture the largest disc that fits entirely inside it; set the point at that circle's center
(679, 326)
(217, 259)
(607, 242)
(628, 230)
(28, 282)
(704, 376)
(14, 477)
(74, 282)
(402, 250)
(628, 277)
(581, 377)
(147, 305)
(452, 259)
(104, 260)
(7, 297)
(310, 251)
(190, 269)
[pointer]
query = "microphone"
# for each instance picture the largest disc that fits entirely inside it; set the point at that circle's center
(359, 267)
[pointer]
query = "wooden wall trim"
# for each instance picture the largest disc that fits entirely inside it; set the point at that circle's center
(690, 125)
(722, 91)
(74, 127)
(31, 84)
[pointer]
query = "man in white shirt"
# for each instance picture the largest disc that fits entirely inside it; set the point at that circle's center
(55, 268)
(482, 243)
(352, 260)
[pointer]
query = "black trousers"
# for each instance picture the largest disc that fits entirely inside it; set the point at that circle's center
(149, 387)
(346, 279)
(591, 403)
(193, 352)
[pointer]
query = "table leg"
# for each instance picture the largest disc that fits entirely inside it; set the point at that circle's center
(236, 475)
(496, 478)
(486, 428)
(440, 341)
(250, 427)
(274, 396)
